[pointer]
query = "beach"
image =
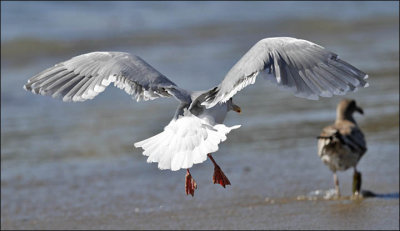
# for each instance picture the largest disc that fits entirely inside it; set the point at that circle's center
(74, 166)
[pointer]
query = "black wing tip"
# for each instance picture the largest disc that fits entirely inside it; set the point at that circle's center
(211, 94)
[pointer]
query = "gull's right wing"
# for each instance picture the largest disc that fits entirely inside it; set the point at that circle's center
(85, 76)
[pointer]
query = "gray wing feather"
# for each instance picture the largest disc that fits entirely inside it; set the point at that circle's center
(305, 68)
(85, 76)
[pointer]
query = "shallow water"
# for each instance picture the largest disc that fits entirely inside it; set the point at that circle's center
(73, 165)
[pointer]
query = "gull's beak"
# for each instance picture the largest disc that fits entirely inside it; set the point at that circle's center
(360, 110)
(236, 108)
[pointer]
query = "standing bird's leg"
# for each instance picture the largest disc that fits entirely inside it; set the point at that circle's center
(356, 182)
(219, 176)
(190, 184)
(336, 180)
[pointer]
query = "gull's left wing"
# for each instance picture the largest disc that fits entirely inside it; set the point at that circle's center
(303, 67)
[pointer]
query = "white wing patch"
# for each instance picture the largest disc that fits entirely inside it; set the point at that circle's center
(184, 142)
(130, 87)
(248, 80)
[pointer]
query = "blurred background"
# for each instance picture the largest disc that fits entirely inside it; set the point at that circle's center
(73, 165)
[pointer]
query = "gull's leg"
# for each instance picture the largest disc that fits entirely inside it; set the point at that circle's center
(190, 184)
(336, 180)
(219, 176)
(356, 182)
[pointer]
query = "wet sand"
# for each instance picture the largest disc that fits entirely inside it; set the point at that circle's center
(119, 194)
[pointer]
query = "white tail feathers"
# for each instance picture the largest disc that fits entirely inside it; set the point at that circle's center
(184, 142)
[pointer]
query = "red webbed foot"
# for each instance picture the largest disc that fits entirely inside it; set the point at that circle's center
(190, 184)
(219, 176)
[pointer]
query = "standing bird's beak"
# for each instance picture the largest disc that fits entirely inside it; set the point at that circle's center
(236, 108)
(360, 110)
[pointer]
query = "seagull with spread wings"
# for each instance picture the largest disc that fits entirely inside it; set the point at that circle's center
(196, 130)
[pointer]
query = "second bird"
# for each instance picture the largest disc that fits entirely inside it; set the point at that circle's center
(342, 144)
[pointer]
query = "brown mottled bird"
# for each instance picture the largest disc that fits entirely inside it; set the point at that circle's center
(342, 144)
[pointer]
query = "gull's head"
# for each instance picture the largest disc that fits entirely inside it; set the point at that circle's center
(233, 107)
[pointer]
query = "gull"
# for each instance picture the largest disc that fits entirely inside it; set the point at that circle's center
(306, 69)
(342, 144)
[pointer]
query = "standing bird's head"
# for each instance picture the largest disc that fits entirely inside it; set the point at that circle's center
(233, 107)
(346, 108)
